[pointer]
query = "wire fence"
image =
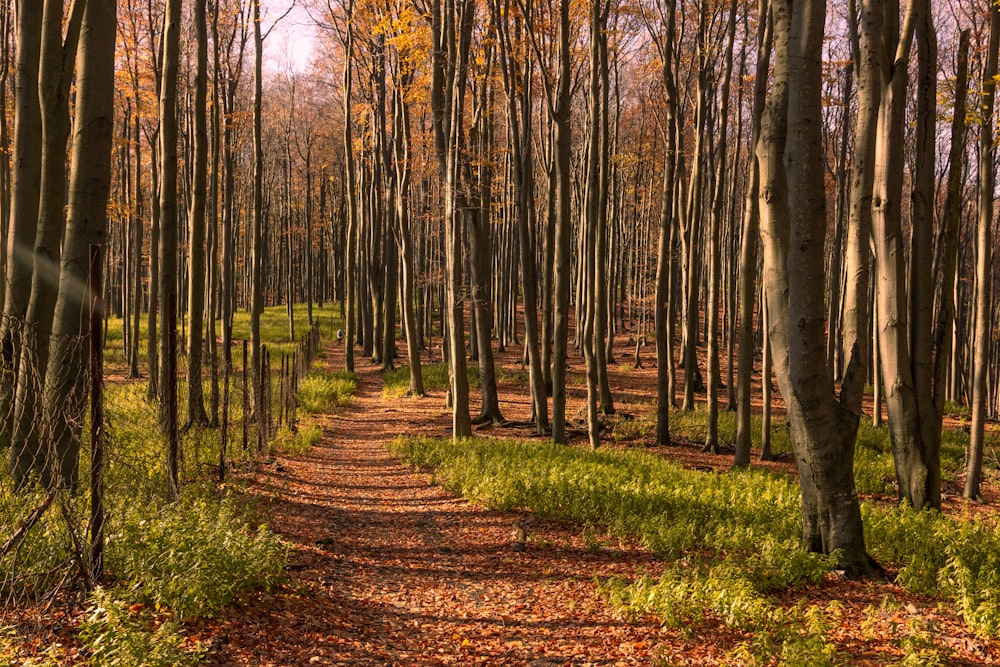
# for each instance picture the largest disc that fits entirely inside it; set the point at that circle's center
(85, 450)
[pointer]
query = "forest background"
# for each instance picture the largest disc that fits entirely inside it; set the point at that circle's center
(812, 186)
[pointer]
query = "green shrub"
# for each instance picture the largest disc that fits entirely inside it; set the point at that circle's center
(121, 635)
(396, 382)
(957, 410)
(193, 557)
(321, 390)
(874, 470)
(693, 425)
(632, 495)
(296, 442)
(743, 527)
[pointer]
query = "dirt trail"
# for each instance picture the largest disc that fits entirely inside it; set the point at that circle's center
(388, 570)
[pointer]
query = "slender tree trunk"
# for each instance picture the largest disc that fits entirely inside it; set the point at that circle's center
(952, 216)
(519, 80)
(30, 434)
(984, 273)
(257, 229)
(168, 233)
(663, 308)
(561, 258)
(26, 184)
(89, 187)
(350, 287)
(196, 241)
(401, 148)
(715, 242)
(748, 251)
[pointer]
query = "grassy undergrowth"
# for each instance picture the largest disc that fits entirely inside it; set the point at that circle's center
(396, 382)
(322, 390)
(165, 562)
(732, 539)
(874, 473)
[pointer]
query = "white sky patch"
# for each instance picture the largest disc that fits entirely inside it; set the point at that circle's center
(291, 43)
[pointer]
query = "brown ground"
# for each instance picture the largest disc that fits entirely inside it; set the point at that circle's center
(389, 570)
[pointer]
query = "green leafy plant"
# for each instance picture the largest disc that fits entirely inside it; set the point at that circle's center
(396, 382)
(195, 556)
(122, 635)
(321, 390)
(298, 441)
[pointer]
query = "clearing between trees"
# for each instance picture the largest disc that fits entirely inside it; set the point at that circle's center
(389, 569)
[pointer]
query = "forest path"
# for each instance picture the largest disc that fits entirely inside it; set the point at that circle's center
(389, 570)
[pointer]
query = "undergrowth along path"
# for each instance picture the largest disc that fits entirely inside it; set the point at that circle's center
(388, 570)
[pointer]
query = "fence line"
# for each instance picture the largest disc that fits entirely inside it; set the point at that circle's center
(52, 535)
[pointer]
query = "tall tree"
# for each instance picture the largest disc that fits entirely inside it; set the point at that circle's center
(748, 250)
(196, 234)
(662, 307)
(167, 251)
(26, 185)
(451, 28)
(560, 105)
(984, 247)
(909, 405)
(793, 222)
(517, 82)
(89, 187)
(58, 55)
(715, 237)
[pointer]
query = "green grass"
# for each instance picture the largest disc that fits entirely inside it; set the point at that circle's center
(273, 327)
(732, 539)
(670, 510)
(296, 442)
(396, 382)
(874, 471)
(166, 562)
(693, 425)
(321, 390)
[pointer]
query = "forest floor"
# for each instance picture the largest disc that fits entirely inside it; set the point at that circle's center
(387, 569)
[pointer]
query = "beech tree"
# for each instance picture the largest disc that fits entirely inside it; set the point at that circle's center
(55, 75)
(89, 186)
(984, 246)
(793, 221)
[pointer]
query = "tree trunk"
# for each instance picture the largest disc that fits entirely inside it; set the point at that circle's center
(168, 232)
(952, 216)
(715, 243)
(55, 74)
(663, 310)
(910, 451)
(257, 228)
(26, 184)
(89, 187)
(793, 220)
(984, 246)
(748, 251)
(561, 258)
(401, 148)
(196, 241)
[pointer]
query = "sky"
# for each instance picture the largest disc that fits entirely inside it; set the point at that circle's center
(291, 43)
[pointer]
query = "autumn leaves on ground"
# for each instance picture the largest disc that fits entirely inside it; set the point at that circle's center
(388, 569)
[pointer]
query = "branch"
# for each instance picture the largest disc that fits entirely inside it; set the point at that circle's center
(27, 524)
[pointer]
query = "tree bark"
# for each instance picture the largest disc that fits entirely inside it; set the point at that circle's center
(793, 220)
(89, 187)
(984, 273)
(748, 250)
(26, 185)
(196, 241)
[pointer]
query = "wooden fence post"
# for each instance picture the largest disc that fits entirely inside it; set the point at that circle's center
(97, 453)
